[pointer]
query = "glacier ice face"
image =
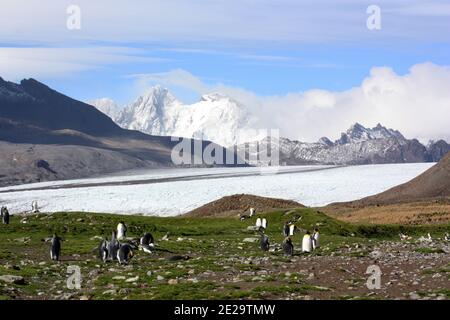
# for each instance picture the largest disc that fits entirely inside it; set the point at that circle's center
(309, 185)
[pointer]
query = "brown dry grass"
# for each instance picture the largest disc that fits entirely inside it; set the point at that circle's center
(418, 212)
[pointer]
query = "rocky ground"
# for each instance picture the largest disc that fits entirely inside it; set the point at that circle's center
(223, 260)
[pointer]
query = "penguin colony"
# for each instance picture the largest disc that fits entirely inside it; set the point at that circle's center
(310, 241)
(116, 249)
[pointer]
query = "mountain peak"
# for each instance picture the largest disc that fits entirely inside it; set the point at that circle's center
(156, 90)
(158, 95)
(356, 128)
(31, 82)
(358, 133)
(33, 103)
(326, 141)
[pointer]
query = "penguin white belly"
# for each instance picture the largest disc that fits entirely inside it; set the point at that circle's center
(120, 232)
(306, 244)
(258, 222)
(147, 249)
(291, 230)
(264, 223)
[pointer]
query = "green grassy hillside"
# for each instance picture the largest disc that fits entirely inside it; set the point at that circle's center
(216, 247)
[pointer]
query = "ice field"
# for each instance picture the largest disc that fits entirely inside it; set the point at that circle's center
(168, 192)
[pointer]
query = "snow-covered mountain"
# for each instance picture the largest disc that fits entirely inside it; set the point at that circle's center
(225, 121)
(216, 117)
(358, 145)
(107, 106)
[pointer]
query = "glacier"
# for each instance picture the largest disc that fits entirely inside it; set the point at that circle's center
(309, 185)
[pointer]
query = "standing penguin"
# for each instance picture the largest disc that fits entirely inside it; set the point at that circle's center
(307, 242)
(55, 249)
(121, 230)
(258, 223)
(292, 228)
(124, 254)
(264, 223)
(252, 212)
(34, 207)
(315, 239)
(264, 242)
(5, 216)
(103, 250)
(288, 246)
(286, 229)
(113, 247)
(146, 243)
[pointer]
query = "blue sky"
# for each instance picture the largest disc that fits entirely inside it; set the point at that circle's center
(258, 48)
(269, 47)
(334, 68)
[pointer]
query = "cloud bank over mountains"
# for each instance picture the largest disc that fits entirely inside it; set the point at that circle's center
(416, 103)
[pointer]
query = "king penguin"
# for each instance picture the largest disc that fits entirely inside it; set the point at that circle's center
(5, 217)
(264, 242)
(264, 223)
(124, 254)
(307, 242)
(55, 249)
(288, 247)
(146, 243)
(292, 228)
(286, 229)
(315, 239)
(121, 230)
(103, 250)
(113, 247)
(34, 207)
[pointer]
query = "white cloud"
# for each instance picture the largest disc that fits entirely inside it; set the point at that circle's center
(17, 63)
(417, 103)
(177, 78)
(220, 22)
